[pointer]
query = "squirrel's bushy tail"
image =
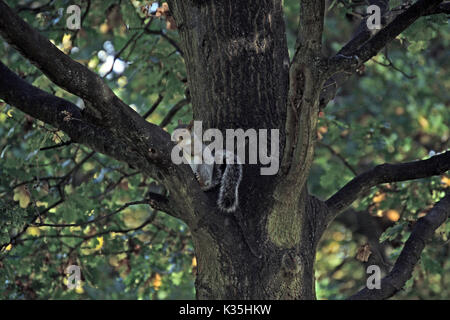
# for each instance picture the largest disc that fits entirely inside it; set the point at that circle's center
(228, 200)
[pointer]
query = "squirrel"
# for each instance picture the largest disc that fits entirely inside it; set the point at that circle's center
(226, 173)
(209, 173)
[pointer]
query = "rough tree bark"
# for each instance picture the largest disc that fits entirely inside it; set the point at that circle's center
(239, 76)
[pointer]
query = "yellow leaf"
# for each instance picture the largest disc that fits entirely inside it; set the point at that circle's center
(67, 42)
(338, 236)
(333, 247)
(9, 247)
(24, 201)
(421, 214)
(157, 282)
(423, 123)
(66, 37)
(79, 289)
(338, 275)
(57, 137)
(113, 235)
(100, 244)
(378, 198)
(41, 204)
(88, 166)
(114, 261)
(33, 231)
(93, 63)
(22, 195)
(74, 229)
(194, 262)
(446, 181)
(10, 113)
(104, 28)
(155, 118)
(393, 215)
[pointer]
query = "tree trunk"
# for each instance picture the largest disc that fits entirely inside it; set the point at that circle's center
(228, 269)
(238, 75)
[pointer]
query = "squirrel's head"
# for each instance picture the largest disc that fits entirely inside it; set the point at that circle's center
(182, 126)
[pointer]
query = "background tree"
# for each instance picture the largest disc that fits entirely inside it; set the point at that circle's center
(87, 179)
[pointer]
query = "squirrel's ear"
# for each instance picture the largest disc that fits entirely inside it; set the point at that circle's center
(180, 122)
(190, 125)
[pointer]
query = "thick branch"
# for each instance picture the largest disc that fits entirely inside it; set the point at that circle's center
(120, 119)
(305, 82)
(63, 115)
(385, 173)
(67, 117)
(362, 46)
(145, 145)
(310, 30)
(60, 68)
(344, 60)
(410, 255)
(444, 7)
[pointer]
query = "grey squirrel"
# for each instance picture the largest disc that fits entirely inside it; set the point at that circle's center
(210, 174)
